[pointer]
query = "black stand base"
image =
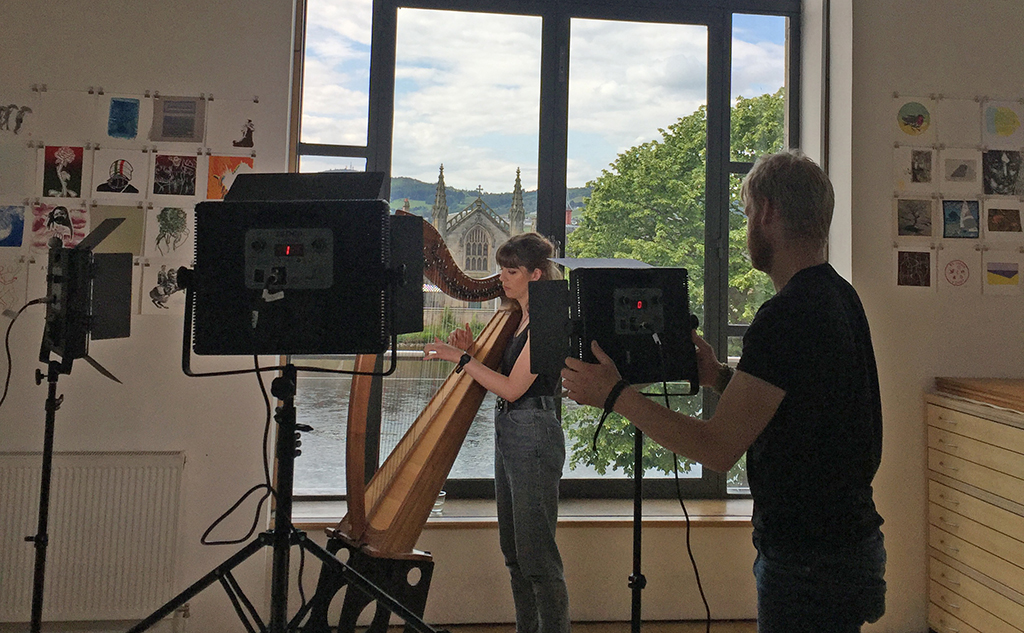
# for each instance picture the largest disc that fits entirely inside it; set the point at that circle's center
(406, 579)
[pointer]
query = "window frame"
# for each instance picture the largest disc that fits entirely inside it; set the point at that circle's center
(716, 16)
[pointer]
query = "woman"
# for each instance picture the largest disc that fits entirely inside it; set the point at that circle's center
(529, 447)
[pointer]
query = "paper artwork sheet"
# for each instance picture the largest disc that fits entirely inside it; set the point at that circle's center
(169, 233)
(914, 268)
(161, 293)
(19, 116)
(17, 170)
(1001, 125)
(12, 226)
(67, 116)
(915, 169)
(63, 171)
(961, 219)
(232, 124)
(123, 120)
(120, 175)
(126, 238)
(914, 217)
(958, 122)
(13, 281)
(178, 120)
(175, 175)
(1002, 221)
(1001, 270)
(35, 275)
(69, 223)
(959, 269)
(223, 171)
(959, 172)
(1001, 173)
(913, 122)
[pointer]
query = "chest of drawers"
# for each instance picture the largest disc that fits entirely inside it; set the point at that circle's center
(976, 516)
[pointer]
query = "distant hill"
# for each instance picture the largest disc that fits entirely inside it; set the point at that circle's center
(421, 197)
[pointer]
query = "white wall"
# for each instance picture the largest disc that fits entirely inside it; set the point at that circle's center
(235, 49)
(919, 47)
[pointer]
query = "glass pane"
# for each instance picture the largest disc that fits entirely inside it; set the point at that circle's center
(758, 85)
(316, 164)
(637, 133)
(336, 72)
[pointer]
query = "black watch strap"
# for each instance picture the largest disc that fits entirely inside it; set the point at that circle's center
(463, 362)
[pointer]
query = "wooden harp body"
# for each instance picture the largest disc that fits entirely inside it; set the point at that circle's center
(386, 515)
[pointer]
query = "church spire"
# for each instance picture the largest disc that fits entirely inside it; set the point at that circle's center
(439, 212)
(517, 214)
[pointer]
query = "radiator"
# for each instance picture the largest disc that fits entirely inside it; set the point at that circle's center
(113, 530)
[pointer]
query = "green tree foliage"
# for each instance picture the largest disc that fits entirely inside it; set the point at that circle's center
(649, 205)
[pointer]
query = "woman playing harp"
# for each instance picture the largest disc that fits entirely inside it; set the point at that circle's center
(529, 445)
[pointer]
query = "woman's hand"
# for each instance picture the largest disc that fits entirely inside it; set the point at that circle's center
(461, 338)
(439, 350)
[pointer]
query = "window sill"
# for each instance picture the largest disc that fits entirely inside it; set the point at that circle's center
(480, 513)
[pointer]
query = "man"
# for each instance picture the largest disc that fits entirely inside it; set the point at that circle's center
(803, 404)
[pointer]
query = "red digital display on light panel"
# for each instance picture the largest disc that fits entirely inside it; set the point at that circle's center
(288, 250)
(640, 305)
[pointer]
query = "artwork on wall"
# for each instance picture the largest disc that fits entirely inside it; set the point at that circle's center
(959, 172)
(222, 173)
(67, 117)
(233, 124)
(961, 219)
(160, 289)
(1001, 173)
(12, 226)
(914, 267)
(120, 174)
(915, 169)
(63, 166)
(1001, 125)
(169, 233)
(175, 174)
(19, 116)
(17, 169)
(13, 281)
(127, 237)
(1001, 270)
(914, 217)
(178, 119)
(959, 269)
(912, 119)
(64, 221)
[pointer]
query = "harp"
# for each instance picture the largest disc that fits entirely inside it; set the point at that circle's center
(387, 513)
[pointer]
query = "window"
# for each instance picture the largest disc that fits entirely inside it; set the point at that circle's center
(626, 130)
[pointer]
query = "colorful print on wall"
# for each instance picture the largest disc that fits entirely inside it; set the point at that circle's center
(913, 118)
(12, 225)
(1002, 221)
(914, 217)
(174, 175)
(119, 174)
(1001, 125)
(223, 171)
(1002, 270)
(127, 237)
(62, 171)
(123, 118)
(64, 222)
(961, 219)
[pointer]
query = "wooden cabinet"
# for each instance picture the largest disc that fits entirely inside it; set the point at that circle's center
(976, 510)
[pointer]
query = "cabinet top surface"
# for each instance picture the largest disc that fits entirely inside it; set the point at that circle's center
(1001, 392)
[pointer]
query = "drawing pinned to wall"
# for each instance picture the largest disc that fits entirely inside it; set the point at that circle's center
(123, 118)
(1001, 173)
(68, 116)
(19, 114)
(17, 170)
(959, 269)
(914, 268)
(233, 123)
(1001, 125)
(914, 217)
(169, 233)
(63, 167)
(119, 174)
(959, 119)
(1002, 220)
(161, 292)
(174, 175)
(12, 225)
(223, 171)
(127, 237)
(13, 282)
(959, 172)
(178, 119)
(913, 120)
(915, 169)
(1002, 269)
(57, 220)
(961, 218)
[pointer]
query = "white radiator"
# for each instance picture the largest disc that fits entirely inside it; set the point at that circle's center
(113, 532)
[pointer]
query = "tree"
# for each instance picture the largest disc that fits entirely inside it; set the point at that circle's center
(650, 206)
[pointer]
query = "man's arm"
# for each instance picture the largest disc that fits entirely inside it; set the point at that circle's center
(743, 411)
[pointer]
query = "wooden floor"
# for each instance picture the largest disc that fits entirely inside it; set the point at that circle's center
(717, 626)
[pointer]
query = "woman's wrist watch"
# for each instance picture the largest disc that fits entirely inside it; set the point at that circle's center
(463, 362)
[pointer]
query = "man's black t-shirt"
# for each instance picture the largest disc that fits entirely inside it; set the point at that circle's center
(810, 470)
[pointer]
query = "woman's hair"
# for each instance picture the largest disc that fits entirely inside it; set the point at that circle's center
(531, 251)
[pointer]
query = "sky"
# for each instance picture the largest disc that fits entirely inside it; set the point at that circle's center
(467, 88)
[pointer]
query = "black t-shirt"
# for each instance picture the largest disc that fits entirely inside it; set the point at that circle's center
(544, 384)
(810, 470)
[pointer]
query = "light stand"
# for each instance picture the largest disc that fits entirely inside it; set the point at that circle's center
(637, 581)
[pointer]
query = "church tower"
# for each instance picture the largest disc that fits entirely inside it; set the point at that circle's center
(439, 212)
(517, 213)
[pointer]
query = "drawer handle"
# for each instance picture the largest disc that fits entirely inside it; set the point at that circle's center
(948, 445)
(947, 420)
(950, 604)
(949, 580)
(952, 524)
(953, 468)
(949, 499)
(949, 548)
(948, 628)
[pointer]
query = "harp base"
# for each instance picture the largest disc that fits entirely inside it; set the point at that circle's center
(406, 579)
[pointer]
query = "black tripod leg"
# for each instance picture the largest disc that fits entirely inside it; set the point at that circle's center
(200, 584)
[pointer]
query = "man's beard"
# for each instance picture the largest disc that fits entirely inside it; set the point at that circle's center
(762, 253)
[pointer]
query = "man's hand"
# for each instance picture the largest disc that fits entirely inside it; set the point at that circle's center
(589, 383)
(707, 363)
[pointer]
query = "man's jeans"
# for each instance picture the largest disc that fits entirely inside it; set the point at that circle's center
(826, 594)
